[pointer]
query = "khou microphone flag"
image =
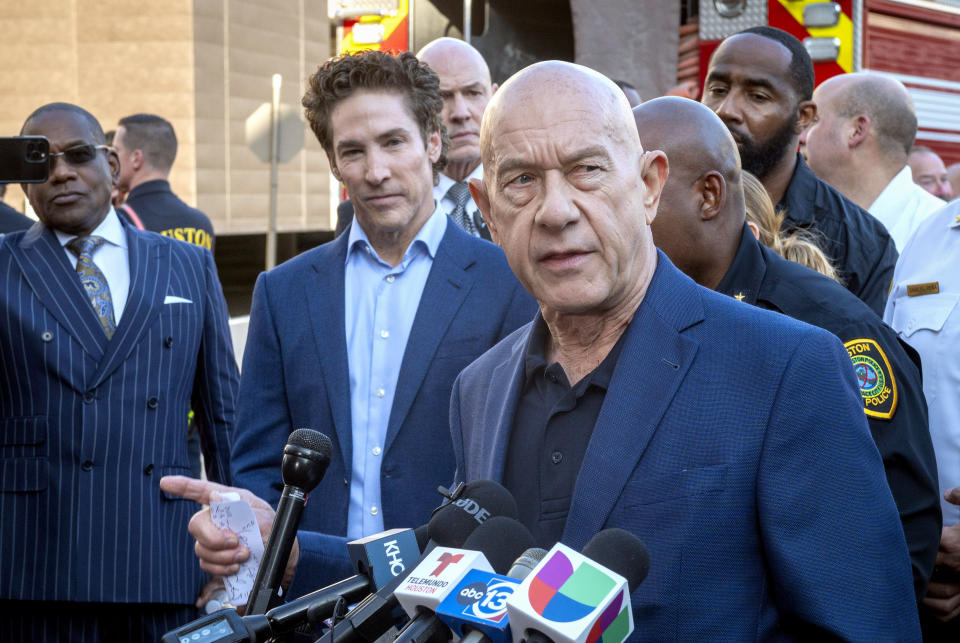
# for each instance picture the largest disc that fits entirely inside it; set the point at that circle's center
(570, 598)
(436, 575)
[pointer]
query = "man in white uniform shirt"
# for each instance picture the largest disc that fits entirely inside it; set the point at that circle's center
(923, 308)
(859, 144)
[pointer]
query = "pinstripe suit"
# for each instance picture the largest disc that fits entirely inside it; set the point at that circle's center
(89, 425)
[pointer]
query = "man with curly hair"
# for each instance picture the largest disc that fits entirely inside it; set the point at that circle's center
(361, 338)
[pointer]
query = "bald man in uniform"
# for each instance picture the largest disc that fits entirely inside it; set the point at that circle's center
(701, 227)
(730, 439)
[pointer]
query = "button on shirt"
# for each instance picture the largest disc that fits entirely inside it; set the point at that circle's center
(923, 307)
(112, 258)
(551, 431)
(381, 303)
(903, 205)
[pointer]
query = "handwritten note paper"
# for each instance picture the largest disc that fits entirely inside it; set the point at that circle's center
(236, 515)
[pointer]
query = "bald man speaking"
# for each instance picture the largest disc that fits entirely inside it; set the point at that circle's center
(730, 439)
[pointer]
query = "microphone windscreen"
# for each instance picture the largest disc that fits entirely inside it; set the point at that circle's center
(621, 552)
(305, 459)
(501, 539)
(310, 439)
(423, 536)
(481, 499)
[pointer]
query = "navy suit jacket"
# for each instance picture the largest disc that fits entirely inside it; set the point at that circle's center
(295, 374)
(89, 425)
(732, 441)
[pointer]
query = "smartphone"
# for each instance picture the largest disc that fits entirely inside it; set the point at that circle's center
(24, 159)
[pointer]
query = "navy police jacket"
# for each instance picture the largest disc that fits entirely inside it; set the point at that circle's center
(887, 376)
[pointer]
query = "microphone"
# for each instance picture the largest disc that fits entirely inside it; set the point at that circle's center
(526, 562)
(429, 583)
(305, 460)
(469, 507)
(571, 598)
(621, 551)
(499, 538)
(377, 557)
(476, 609)
(450, 526)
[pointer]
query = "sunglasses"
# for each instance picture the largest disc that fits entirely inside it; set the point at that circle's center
(79, 154)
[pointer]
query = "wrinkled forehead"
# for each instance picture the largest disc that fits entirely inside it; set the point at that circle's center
(559, 117)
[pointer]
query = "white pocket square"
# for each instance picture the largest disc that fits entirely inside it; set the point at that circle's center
(170, 299)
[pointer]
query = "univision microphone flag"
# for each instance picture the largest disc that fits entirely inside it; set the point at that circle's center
(571, 599)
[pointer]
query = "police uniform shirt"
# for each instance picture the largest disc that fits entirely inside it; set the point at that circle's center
(162, 211)
(886, 372)
(857, 244)
(923, 307)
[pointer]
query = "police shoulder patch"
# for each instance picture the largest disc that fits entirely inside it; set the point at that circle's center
(874, 377)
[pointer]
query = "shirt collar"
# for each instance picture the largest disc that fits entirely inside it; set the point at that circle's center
(443, 185)
(800, 195)
(896, 193)
(745, 275)
(110, 229)
(427, 239)
(535, 358)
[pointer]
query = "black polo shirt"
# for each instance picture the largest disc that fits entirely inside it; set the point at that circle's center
(551, 430)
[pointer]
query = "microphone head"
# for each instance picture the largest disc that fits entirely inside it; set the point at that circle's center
(479, 500)
(621, 552)
(305, 459)
(501, 539)
(525, 563)
(423, 536)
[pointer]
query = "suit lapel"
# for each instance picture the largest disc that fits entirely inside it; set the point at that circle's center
(149, 280)
(45, 266)
(654, 360)
(500, 408)
(447, 286)
(325, 303)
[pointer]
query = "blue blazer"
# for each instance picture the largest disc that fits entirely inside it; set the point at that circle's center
(89, 425)
(295, 374)
(732, 441)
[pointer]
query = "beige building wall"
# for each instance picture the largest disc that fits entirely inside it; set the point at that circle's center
(205, 65)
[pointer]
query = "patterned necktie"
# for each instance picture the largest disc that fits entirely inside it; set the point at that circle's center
(93, 280)
(459, 193)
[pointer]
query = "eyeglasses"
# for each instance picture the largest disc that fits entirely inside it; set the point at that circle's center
(79, 154)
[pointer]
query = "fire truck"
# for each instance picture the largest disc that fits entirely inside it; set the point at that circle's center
(914, 41)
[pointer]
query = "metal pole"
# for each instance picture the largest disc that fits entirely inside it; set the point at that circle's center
(467, 16)
(274, 171)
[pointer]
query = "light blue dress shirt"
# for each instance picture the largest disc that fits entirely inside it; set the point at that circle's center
(381, 303)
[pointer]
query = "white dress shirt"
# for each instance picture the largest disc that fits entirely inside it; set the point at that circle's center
(112, 258)
(902, 206)
(923, 308)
